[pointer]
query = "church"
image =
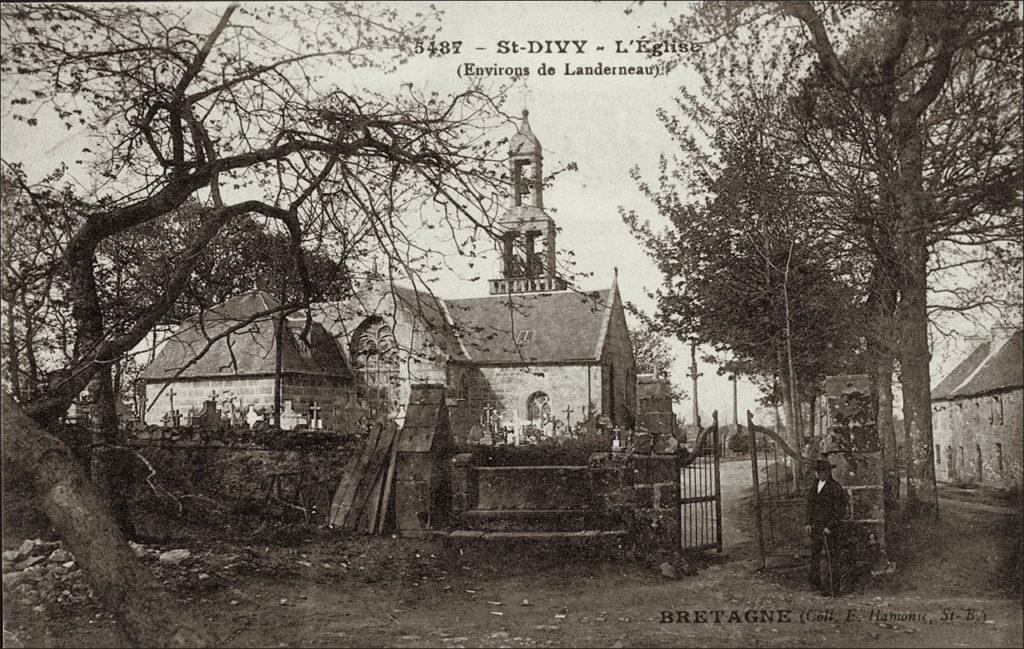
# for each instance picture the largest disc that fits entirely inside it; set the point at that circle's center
(533, 357)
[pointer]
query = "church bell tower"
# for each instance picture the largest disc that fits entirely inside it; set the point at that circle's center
(525, 268)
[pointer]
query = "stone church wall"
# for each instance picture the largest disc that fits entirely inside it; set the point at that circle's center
(256, 391)
(991, 423)
(509, 388)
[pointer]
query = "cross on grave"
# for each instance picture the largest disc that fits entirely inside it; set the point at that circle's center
(568, 412)
(175, 417)
(314, 416)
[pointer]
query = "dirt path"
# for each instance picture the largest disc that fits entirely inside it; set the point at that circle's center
(605, 609)
(332, 591)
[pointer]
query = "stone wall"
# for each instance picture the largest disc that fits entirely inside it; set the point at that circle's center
(992, 425)
(644, 491)
(243, 392)
(237, 478)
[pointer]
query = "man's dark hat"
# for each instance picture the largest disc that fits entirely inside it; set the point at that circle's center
(823, 464)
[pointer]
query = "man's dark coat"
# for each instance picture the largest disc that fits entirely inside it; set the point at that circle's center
(827, 508)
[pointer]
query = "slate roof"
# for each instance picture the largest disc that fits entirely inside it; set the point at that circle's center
(982, 372)
(562, 326)
(437, 316)
(237, 349)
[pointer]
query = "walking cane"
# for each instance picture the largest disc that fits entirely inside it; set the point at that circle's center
(828, 559)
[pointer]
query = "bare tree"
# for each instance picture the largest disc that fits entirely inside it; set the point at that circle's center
(240, 109)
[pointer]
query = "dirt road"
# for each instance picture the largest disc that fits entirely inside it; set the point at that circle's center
(397, 592)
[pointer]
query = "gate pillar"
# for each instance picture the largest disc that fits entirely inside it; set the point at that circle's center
(851, 443)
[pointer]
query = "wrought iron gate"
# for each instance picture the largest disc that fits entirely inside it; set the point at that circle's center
(700, 494)
(779, 501)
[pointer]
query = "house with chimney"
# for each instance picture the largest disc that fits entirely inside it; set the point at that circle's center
(978, 413)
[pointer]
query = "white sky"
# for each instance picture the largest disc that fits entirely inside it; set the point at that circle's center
(604, 124)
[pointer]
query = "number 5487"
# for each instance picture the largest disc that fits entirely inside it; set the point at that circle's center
(437, 47)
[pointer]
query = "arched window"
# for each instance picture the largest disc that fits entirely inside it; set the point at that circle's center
(464, 386)
(538, 408)
(375, 359)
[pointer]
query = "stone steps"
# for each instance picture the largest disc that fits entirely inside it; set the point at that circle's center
(581, 536)
(529, 520)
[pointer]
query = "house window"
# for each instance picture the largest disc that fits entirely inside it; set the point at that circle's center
(538, 408)
(999, 458)
(938, 454)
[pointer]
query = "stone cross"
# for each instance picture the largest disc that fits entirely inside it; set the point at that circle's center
(213, 395)
(175, 418)
(314, 415)
(251, 417)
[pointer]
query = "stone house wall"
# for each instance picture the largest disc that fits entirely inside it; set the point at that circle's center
(992, 425)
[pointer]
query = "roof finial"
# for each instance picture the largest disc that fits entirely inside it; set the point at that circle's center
(616, 268)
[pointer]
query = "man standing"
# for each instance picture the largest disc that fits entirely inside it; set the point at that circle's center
(826, 510)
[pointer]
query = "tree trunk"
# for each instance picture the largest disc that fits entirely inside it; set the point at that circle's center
(915, 377)
(13, 357)
(912, 315)
(887, 437)
(110, 461)
(148, 616)
(790, 413)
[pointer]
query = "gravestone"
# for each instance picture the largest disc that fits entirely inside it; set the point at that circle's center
(208, 417)
(290, 420)
(251, 417)
(423, 470)
(475, 434)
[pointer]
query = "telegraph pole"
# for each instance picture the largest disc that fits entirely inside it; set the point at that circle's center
(693, 375)
(735, 407)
